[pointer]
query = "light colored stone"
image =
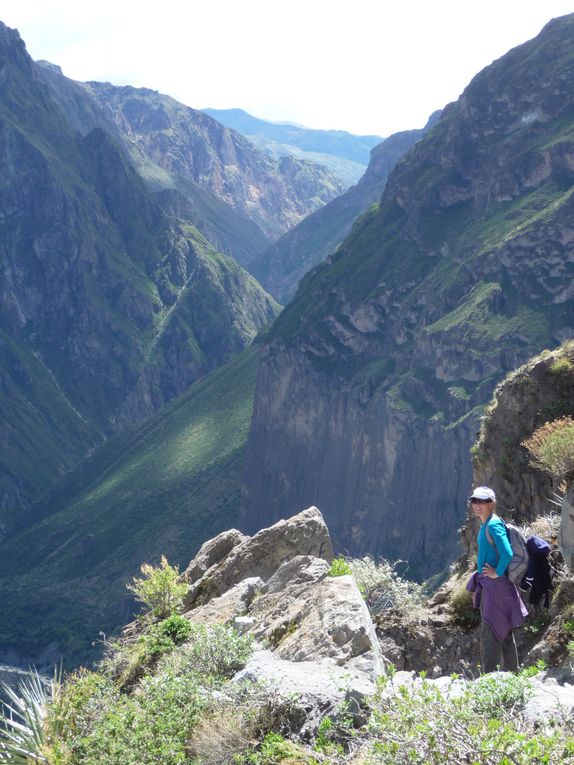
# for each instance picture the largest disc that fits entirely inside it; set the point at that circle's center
(326, 620)
(300, 571)
(212, 552)
(262, 554)
(550, 700)
(319, 688)
(230, 605)
(566, 539)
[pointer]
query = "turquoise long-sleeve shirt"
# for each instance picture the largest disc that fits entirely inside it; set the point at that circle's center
(499, 558)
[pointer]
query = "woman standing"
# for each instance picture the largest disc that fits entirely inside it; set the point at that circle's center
(501, 607)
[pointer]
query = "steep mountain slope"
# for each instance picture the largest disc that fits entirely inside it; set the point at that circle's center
(161, 488)
(373, 378)
(227, 229)
(108, 307)
(345, 154)
(280, 267)
(173, 145)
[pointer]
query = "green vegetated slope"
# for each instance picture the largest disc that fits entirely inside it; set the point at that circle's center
(394, 344)
(469, 236)
(109, 307)
(163, 488)
(280, 266)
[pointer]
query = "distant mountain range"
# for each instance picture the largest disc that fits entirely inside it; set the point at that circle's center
(346, 155)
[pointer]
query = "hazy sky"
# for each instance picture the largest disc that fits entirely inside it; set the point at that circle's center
(367, 66)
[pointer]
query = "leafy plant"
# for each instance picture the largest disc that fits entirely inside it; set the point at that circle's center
(212, 651)
(32, 721)
(159, 589)
(339, 567)
(551, 447)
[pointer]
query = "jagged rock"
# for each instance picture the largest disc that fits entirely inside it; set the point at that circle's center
(227, 607)
(262, 554)
(566, 540)
(212, 552)
(301, 570)
(316, 687)
(327, 620)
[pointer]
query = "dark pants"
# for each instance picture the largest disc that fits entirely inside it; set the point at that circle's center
(497, 654)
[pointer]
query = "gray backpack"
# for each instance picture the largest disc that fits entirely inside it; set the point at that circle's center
(518, 565)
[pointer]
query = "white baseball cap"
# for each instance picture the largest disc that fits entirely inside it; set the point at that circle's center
(483, 492)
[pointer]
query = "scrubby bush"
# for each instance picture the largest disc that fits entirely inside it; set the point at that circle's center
(551, 447)
(339, 567)
(211, 651)
(159, 590)
(145, 728)
(384, 589)
(562, 366)
(481, 723)
(463, 612)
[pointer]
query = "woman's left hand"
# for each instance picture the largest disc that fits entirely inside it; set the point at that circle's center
(489, 571)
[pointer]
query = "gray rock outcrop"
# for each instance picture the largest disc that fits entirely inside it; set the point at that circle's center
(566, 539)
(315, 635)
(262, 554)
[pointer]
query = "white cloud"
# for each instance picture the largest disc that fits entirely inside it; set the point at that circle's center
(366, 66)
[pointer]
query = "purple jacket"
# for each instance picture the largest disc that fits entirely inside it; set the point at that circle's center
(500, 605)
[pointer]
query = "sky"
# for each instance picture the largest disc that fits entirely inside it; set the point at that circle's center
(366, 66)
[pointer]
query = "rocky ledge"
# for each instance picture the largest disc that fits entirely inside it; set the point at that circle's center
(316, 644)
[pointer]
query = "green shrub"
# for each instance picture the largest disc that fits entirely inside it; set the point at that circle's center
(551, 447)
(495, 695)
(480, 724)
(339, 567)
(384, 589)
(562, 366)
(463, 612)
(160, 590)
(210, 651)
(145, 728)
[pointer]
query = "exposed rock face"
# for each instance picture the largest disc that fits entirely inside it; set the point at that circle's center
(380, 367)
(172, 142)
(262, 554)
(279, 579)
(567, 530)
(539, 391)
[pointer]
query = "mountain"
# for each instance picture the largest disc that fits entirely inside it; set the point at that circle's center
(280, 266)
(161, 488)
(175, 147)
(374, 377)
(346, 155)
(109, 307)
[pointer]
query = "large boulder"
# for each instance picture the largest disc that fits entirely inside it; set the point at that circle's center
(314, 616)
(566, 540)
(212, 552)
(227, 607)
(262, 554)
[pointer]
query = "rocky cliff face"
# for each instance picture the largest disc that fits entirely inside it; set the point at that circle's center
(375, 375)
(108, 307)
(175, 145)
(280, 266)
